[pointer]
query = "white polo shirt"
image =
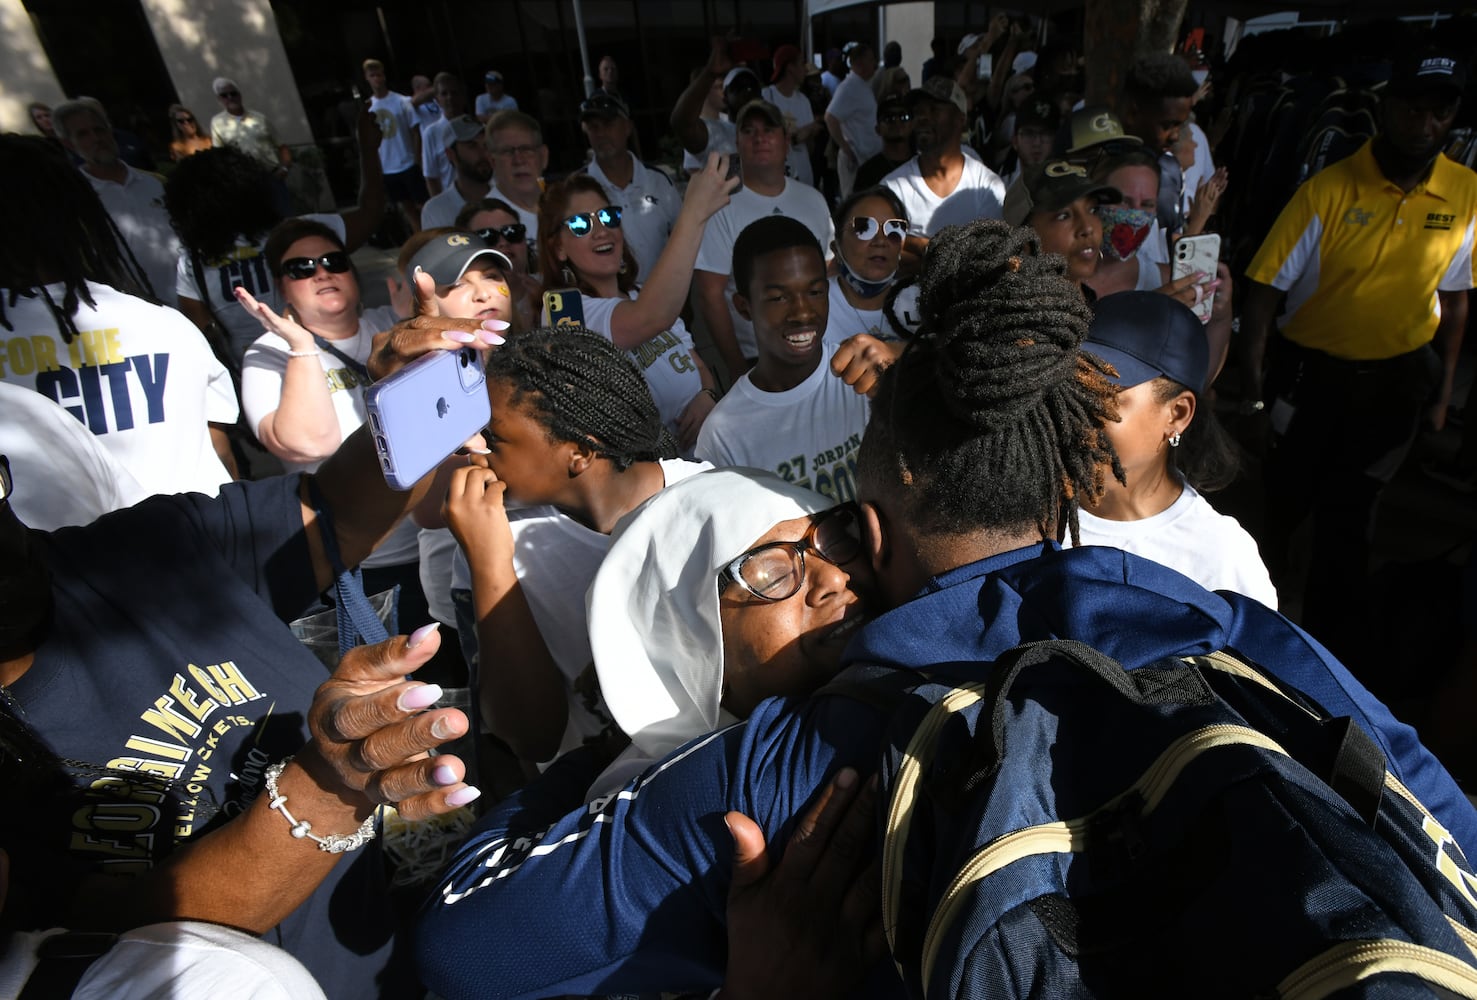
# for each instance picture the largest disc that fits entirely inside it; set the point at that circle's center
(649, 207)
(137, 206)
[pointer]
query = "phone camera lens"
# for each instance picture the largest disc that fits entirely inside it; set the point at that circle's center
(465, 362)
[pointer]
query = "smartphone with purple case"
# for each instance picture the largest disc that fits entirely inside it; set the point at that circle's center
(426, 411)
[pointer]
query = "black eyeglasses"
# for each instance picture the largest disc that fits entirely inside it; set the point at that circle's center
(509, 234)
(302, 268)
(583, 224)
(776, 571)
(866, 227)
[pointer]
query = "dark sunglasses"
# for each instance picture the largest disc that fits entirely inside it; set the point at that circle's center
(509, 234)
(229, 94)
(301, 268)
(583, 224)
(866, 227)
(185, 118)
(776, 571)
(603, 104)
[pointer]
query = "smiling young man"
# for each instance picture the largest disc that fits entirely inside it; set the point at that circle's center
(789, 414)
(766, 191)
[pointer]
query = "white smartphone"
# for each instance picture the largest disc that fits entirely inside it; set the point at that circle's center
(1198, 254)
(426, 411)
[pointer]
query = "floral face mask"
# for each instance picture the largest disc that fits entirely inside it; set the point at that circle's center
(1124, 229)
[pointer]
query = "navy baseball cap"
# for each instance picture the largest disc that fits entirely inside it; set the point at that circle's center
(1147, 334)
(447, 257)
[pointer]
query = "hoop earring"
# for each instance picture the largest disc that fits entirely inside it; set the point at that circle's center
(1174, 441)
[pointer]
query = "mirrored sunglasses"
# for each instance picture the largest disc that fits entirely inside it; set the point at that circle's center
(776, 571)
(866, 228)
(513, 233)
(300, 268)
(583, 224)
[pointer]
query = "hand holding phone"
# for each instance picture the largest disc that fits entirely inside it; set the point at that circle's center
(426, 411)
(1198, 255)
(563, 307)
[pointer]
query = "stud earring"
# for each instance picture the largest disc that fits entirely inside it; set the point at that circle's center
(1174, 440)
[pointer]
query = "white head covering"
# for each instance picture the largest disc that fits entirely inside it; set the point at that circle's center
(653, 608)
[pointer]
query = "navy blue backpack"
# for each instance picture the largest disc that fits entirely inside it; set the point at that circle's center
(1067, 828)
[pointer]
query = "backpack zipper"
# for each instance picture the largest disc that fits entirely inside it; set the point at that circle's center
(1347, 963)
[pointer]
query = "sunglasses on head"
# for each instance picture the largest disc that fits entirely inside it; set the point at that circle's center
(583, 224)
(508, 234)
(301, 268)
(866, 228)
(776, 571)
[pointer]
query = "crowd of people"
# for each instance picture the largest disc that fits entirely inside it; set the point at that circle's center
(888, 372)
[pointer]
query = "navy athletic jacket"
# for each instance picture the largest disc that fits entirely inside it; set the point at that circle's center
(628, 894)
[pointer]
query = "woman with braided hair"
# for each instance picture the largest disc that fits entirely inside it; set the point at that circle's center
(576, 444)
(983, 439)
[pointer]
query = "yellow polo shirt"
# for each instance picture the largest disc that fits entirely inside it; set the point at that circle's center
(1361, 260)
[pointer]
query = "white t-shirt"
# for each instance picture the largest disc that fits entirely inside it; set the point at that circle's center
(435, 137)
(245, 266)
(807, 435)
(556, 558)
(441, 209)
(722, 138)
(528, 217)
(50, 493)
(487, 104)
(398, 123)
(980, 194)
(665, 360)
(798, 114)
(855, 107)
(437, 553)
(139, 376)
(137, 206)
(1192, 538)
(262, 372)
(189, 960)
(649, 207)
(797, 200)
(846, 320)
(427, 113)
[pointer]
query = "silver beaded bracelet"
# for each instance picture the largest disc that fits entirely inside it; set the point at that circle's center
(333, 843)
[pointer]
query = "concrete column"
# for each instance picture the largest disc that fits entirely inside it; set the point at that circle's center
(911, 26)
(203, 39)
(25, 71)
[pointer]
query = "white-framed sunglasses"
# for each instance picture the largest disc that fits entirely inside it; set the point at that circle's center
(865, 227)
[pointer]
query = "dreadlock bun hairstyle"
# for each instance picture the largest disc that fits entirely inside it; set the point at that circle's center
(585, 390)
(992, 419)
(57, 231)
(218, 196)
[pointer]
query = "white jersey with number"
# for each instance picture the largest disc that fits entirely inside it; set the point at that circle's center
(807, 435)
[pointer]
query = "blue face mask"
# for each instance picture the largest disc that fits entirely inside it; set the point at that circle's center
(862, 287)
(1124, 229)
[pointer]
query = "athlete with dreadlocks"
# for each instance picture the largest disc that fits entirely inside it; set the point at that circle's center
(81, 329)
(983, 438)
(576, 444)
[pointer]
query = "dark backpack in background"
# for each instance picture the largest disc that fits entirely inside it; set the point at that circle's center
(1344, 121)
(1066, 828)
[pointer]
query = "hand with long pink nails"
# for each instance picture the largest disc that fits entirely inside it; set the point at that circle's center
(372, 729)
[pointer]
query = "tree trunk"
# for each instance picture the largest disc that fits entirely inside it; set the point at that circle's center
(1118, 31)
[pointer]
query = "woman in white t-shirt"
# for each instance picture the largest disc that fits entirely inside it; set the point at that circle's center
(303, 379)
(580, 245)
(576, 445)
(870, 228)
(1167, 445)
